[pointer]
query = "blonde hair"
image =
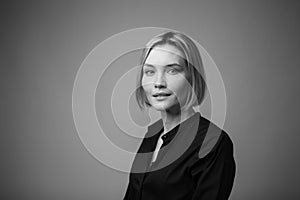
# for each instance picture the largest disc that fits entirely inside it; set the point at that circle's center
(195, 74)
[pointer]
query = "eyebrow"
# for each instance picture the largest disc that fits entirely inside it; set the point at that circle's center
(168, 65)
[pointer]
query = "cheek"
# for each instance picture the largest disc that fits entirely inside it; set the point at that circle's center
(146, 85)
(181, 88)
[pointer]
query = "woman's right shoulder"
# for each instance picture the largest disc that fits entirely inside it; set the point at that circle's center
(154, 128)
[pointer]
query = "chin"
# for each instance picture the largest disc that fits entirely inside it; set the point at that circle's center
(164, 106)
(160, 106)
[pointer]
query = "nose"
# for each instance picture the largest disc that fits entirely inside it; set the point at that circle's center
(160, 81)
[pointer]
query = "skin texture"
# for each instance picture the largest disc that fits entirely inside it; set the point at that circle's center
(163, 71)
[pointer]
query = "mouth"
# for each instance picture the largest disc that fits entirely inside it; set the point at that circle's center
(161, 95)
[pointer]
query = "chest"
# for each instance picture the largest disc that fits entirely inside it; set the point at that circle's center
(173, 181)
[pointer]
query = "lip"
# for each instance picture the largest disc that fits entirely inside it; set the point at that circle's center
(161, 94)
(161, 98)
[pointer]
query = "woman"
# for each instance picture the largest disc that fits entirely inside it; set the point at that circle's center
(183, 155)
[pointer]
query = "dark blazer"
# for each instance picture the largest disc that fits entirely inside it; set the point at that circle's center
(195, 162)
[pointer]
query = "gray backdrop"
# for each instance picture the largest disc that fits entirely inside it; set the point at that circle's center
(255, 44)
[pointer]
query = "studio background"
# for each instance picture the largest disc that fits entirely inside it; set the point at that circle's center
(255, 44)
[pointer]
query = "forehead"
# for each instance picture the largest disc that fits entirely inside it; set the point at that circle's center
(165, 55)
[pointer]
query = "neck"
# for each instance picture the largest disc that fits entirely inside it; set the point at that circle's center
(173, 118)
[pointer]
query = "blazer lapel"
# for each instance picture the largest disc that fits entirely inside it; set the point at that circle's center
(141, 164)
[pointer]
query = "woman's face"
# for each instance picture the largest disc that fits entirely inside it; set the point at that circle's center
(164, 80)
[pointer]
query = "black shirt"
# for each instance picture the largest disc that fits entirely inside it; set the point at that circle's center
(195, 162)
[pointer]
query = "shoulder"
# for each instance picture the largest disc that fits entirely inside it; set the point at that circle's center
(212, 148)
(150, 137)
(214, 139)
(154, 128)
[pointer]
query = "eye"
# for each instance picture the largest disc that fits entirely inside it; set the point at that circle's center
(148, 72)
(173, 71)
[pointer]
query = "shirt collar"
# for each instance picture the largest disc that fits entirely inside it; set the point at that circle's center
(157, 127)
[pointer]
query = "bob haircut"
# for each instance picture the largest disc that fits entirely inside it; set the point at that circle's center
(194, 70)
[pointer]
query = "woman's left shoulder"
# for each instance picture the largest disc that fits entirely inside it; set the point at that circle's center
(213, 139)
